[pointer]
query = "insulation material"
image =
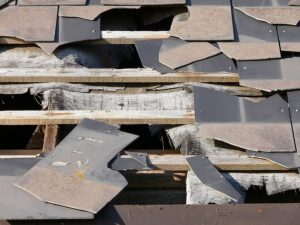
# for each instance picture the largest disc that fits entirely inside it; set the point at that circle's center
(90, 56)
(22, 22)
(255, 40)
(198, 193)
(184, 138)
(210, 176)
(33, 89)
(204, 22)
(180, 100)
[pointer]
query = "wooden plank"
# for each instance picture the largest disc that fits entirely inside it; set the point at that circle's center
(38, 75)
(112, 117)
(109, 37)
(166, 160)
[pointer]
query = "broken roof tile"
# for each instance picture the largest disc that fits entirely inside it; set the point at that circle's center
(255, 40)
(289, 38)
(205, 21)
(270, 75)
(176, 53)
(272, 11)
(29, 23)
(263, 126)
(294, 103)
(85, 182)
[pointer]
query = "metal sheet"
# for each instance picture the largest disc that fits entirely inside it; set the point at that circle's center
(16, 204)
(176, 53)
(270, 75)
(254, 40)
(51, 2)
(211, 177)
(263, 126)
(287, 160)
(29, 23)
(205, 21)
(135, 161)
(89, 12)
(76, 173)
(149, 53)
(294, 103)
(143, 2)
(289, 38)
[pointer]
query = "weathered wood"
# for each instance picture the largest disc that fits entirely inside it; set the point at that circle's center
(109, 37)
(50, 137)
(41, 75)
(112, 117)
(51, 131)
(168, 161)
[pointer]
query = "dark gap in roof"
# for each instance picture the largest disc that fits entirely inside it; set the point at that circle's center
(151, 137)
(258, 194)
(17, 137)
(165, 196)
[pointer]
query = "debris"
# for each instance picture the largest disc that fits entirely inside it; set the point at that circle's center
(88, 190)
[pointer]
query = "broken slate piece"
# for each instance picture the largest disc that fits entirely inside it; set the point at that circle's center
(211, 177)
(257, 126)
(88, 186)
(131, 161)
(286, 159)
(270, 75)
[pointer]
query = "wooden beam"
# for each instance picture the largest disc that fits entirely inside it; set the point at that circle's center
(113, 117)
(69, 75)
(168, 161)
(108, 37)
(50, 138)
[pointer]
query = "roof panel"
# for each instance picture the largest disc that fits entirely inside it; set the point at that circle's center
(29, 23)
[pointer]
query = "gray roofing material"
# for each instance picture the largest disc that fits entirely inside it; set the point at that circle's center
(76, 173)
(257, 126)
(211, 177)
(270, 75)
(205, 21)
